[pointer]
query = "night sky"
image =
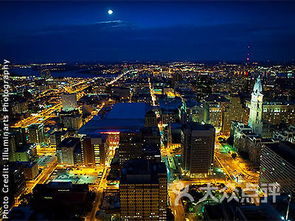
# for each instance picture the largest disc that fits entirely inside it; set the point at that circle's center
(193, 31)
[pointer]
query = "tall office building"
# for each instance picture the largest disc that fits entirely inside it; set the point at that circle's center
(69, 102)
(150, 119)
(130, 146)
(17, 138)
(71, 119)
(277, 112)
(255, 117)
(68, 150)
(26, 152)
(56, 137)
(36, 133)
(235, 111)
(199, 143)
(143, 191)
(216, 104)
(196, 112)
(93, 150)
(277, 165)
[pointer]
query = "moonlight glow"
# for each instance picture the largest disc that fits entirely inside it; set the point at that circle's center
(110, 12)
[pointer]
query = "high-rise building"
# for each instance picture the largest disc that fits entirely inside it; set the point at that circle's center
(143, 191)
(285, 134)
(130, 146)
(197, 112)
(150, 119)
(248, 143)
(24, 153)
(56, 137)
(216, 104)
(30, 169)
(62, 200)
(67, 150)
(93, 150)
(255, 117)
(235, 111)
(199, 141)
(69, 102)
(71, 119)
(171, 110)
(151, 135)
(277, 112)
(36, 133)
(17, 138)
(277, 165)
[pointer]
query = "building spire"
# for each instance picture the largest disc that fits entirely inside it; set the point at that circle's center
(257, 86)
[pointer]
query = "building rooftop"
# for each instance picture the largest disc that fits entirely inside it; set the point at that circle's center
(284, 149)
(198, 126)
(123, 117)
(128, 111)
(170, 103)
(192, 103)
(262, 212)
(25, 147)
(140, 171)
(216, 98)
(57, 186)
(69, 142)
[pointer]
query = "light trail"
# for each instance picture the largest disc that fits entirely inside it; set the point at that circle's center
(152, 92)
(119, 77)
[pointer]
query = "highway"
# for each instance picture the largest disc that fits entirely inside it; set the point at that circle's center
(152, 92)
(75, 88)
(39, 117)
(119, 77)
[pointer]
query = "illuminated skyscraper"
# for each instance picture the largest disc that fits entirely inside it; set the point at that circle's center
(255, 117)
(199, 143)
(143, 191)
(130, 146)
(93, 150)
(67, 150)
(36, 133)
(71, 119)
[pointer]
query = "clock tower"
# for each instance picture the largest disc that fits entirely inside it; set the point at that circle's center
(255, 117)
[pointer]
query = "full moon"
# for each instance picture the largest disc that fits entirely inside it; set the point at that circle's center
(110, 11)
